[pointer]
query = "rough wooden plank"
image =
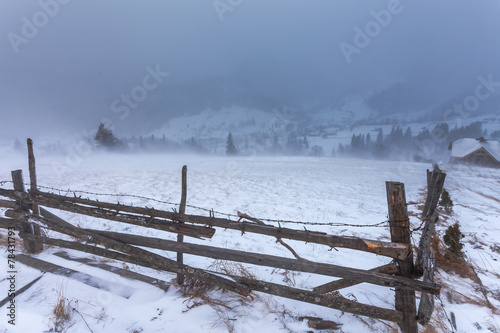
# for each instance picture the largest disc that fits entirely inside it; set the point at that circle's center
(400, 232)
(389, 249)
(182, 210)
(7, 204)
(91, 249)
(6, 223)
(45, 213)
(273, 261)
(45, 266)
(19, 291)
(117, 270)
(334, 302)
(344, 283)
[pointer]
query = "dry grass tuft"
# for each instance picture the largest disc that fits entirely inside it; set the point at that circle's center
(450, 262)
(199, 293)
(61, 313)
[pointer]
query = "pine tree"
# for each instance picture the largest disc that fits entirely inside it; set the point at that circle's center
(452, 239)
(105, 137)
(408, 136)
(446, 201)
(341, 149)
(305, 143)
(230, 147)
(380, 137)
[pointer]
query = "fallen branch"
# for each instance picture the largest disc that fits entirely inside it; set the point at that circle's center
(279, 240)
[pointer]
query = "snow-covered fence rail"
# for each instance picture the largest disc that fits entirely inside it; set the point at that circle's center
(401, 275)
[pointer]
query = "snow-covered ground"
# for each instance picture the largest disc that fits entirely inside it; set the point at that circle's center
(350, 192)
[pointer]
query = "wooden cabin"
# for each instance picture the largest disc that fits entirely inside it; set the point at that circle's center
(476, 151)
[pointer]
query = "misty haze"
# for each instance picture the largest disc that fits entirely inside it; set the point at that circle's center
(290, 116)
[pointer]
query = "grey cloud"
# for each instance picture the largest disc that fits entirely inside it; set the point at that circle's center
(265, 53)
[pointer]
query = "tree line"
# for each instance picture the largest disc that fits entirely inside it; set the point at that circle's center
(376, 144)
(399, 141)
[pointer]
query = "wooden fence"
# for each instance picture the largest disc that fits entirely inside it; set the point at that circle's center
(29, 218)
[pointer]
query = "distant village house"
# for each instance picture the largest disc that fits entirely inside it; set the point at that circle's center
(476, 151)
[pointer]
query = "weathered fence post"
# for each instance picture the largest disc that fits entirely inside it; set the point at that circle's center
(425, 262)
(30, 246)
(400, 233)
(32, 169)
(182, 210)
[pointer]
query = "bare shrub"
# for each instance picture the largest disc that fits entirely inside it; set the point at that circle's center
(452, 239)
(199, 293)
(446, 201)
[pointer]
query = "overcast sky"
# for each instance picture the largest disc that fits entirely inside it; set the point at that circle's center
(64, 65)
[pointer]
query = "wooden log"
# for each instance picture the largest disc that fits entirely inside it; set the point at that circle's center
(146, 256)
(273, 261)
(32, 170)
(389, 249)
(48, 215)
(7, 204)
(391, 268)
(19, 291)
(30, 247)
(92, 281)
(149, 222)
(163, 285)
(330, 301)
(92, 249)
(8, 223)
(400, 232)
(182, 210)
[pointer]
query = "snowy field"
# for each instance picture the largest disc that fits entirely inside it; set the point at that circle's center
(343, 191)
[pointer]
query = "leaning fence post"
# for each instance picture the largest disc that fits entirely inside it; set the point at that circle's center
(400, 233)
(182, 210)
(30, 246)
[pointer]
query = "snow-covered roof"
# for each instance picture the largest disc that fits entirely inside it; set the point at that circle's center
(464, 147)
